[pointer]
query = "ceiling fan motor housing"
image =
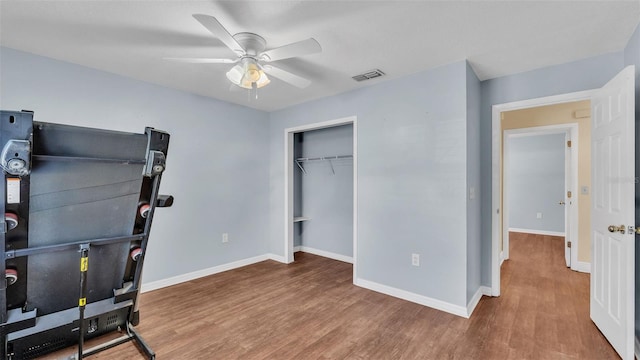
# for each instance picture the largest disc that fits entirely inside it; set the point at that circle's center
(252, 43)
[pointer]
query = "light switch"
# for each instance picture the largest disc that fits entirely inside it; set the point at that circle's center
(539, 215)
(472, 193)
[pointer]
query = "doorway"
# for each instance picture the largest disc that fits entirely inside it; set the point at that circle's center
(545, 122)
(293, 220)
(539, 175)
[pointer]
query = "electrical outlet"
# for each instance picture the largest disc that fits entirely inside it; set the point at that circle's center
(225, 237)
(539, 215)
(415, 259)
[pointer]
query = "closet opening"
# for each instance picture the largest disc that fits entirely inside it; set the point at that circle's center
(321, 190)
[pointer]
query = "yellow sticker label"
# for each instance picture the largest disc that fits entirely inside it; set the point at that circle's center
(82, 302)
(84, 264)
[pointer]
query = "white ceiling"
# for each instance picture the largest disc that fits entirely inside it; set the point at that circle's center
(131, 38)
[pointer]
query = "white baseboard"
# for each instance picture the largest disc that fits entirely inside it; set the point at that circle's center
(501, 257)
(327, 254)
(154, 285)
(482, 290)
(278, 258)
(413, 297)
(582, 266)
(538, 232)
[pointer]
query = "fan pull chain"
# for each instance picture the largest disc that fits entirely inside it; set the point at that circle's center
(254, 87)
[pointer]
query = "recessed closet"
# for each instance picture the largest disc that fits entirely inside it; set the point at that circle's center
(323, 192)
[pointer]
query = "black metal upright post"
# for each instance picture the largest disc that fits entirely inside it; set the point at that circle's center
(15, 129)
(82, 300)
(3, 283)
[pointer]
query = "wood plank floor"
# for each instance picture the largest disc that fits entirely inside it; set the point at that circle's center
(311, 310)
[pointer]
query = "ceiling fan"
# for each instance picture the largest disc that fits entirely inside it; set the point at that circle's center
(251, 69)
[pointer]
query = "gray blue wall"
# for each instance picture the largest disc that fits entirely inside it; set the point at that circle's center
(327, 198)
(632, 57)
(535, 172)
(216, 168)
(411, 178)
(474, 241)
(575, 76)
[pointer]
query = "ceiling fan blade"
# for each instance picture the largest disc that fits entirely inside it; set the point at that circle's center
(300, 48)
(214, 26)
(203, 60)
(287, 77)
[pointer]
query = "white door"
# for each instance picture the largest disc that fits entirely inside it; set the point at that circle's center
(613, 181)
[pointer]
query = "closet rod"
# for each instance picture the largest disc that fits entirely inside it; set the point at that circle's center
(337, 157)
(299, 161)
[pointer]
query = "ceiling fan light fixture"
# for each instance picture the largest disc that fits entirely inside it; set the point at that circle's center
(263, 80)
(247, 73)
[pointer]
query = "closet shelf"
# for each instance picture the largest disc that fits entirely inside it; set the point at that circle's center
(330, 159)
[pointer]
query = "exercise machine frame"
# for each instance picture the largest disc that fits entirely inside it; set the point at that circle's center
(27, 331)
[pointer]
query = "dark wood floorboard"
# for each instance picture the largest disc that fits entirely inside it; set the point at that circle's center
(311, 310)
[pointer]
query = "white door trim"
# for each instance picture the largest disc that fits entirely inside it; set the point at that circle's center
(288, 183)
(496, 147)
(571, 181)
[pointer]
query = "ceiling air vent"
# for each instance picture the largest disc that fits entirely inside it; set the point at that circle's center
(371, 74)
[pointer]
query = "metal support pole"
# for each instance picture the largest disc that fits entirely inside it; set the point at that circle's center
(82, 300)
(3, 284)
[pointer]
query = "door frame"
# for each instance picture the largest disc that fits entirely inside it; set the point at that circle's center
(496, 163)
(571, 220)
(288, 183)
